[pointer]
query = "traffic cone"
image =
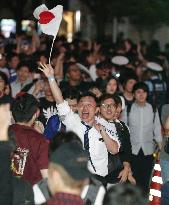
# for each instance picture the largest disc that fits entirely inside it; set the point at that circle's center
(155, 187)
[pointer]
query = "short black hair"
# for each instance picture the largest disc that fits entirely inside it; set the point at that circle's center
(12, 55)
(69, 65)
(88, 94)
(105, 97)
(24, 107)
(71, 94)
(63, 137)
(124, 194)
(115, 97)
(104, 64)
(140, 85)
(24, 64)
(131, 76)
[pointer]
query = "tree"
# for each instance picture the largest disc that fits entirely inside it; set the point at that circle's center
(147, 14)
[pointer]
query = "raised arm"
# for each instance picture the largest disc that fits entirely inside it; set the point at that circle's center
(49, 73)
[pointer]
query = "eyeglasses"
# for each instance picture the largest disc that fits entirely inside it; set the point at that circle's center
(107, 106)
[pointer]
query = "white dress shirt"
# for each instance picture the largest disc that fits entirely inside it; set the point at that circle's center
(16, 87)
(144, 128)
(97, 148)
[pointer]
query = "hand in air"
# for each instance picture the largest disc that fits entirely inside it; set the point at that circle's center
(46, 69)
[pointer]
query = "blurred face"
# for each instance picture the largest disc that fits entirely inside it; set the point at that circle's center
(14, 62)
(107, 109)
(74, 73)
(25, 47)
(127, 45)
(73, 104)
(139, 71)
(111, 86)
(2, 62)
(91, 59)
(140, 96)
(103, 72)
(129, 85)
(47, 90)
(23, 74)
(87, 109)
(43, 59)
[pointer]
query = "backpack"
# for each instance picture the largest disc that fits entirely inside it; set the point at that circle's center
(158, 95)
(94, 190)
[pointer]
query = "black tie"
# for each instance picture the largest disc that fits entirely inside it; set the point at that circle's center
(86, 143)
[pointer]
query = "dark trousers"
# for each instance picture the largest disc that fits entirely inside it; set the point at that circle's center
(142, 169)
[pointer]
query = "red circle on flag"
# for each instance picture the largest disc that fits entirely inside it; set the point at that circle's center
(46, 17)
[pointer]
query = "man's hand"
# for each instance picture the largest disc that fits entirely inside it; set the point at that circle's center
(98, 127)
(47, 70)
(123, 175)
(5, 121)
(131, 179)
(38, 126)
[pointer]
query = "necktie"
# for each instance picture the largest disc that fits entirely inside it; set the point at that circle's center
(86, 143)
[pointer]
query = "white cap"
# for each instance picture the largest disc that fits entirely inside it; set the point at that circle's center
(154, 66)
(120, 60)
(83, 68)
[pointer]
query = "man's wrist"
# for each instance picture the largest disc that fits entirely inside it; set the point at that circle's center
(51, 78)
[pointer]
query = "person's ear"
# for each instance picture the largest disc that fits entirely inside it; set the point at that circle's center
(34, 117)
(37, 113)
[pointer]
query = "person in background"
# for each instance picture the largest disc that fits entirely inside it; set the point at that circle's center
(128, 85)
(54, 124)
(112, 85)
(145, 128)
(67, 174)
(88, 59)
(71, 97)
(74, 79)
(164, 156)
(13, 190)
(23, 78)
(124, 134)
(124, 194)
(103, 71)
(157, 87)
(5, 93)
(95, 90)
(13, 61)
(47, 104)
(3, 67)
(6, 191)
(30, 160)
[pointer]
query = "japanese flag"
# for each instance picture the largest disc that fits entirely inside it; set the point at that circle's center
(49, 19)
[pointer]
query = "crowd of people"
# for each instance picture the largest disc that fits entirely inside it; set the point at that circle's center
(84, 129)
